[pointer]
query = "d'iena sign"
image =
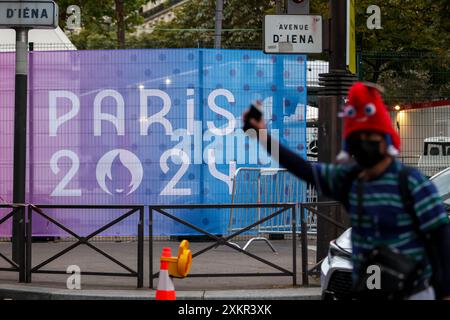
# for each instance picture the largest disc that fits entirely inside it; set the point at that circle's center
(28, 14)
(292, 34)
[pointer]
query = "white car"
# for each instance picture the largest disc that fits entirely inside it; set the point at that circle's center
(442, 182)
(336, 269)
(435, 156)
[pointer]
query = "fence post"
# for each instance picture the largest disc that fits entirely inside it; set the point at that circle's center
(294, 245)
(140, 278)
(29, 230)
(304, 239)
(150, 245)
(22, 244)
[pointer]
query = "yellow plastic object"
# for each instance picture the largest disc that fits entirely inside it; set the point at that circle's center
(180, 266)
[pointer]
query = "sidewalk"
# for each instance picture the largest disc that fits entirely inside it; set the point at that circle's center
(220, 260)
(27, 292)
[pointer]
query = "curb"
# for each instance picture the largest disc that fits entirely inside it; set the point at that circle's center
(20, 292)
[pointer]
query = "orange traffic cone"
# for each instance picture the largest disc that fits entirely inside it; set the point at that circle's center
(166, 289)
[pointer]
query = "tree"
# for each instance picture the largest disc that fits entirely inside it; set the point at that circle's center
(194, 25)
(120, 16)
(407, 26)
(105, 23)
(409, 56)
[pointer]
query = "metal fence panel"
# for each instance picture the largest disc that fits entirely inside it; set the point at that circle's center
(267, 185)
(417, 93)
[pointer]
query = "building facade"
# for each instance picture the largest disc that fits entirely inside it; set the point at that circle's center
(159, 11)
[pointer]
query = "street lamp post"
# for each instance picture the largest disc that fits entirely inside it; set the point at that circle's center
(334, 87)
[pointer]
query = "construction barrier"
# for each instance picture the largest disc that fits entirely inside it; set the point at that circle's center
(267, 185)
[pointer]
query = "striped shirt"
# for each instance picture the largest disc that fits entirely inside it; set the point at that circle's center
(385, 221)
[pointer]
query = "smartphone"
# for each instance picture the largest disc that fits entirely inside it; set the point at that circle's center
(254, 113)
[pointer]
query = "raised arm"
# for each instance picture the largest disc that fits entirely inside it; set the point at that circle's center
(288, 159)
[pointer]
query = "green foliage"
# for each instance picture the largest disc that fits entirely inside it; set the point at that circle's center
(420, 27)
(407, 26)
(88, 40)
(194, 25)
(410, 55)
(99, 21)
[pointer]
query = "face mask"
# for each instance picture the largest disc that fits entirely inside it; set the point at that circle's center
(366, 153)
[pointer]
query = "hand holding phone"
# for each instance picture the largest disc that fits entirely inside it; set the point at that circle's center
(254, 112)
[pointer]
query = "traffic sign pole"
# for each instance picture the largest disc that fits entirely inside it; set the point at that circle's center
(297, 6)
(218, 25)
(20, 139)
(333, 90)
(23, 16)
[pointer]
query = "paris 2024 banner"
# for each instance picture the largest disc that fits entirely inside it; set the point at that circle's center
(146, 127)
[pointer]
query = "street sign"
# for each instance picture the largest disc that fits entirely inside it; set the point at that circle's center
(28, 14)
(292, 34)
(23, 16)
(298, 6)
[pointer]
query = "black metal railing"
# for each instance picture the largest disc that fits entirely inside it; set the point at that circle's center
(314, 208)
(18, 265)
(26, 268)
(221, 240)
(39, 210)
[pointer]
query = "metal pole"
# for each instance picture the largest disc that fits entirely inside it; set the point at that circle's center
(334, 88)
(338, 60)
(258, 199)
(218, 28)
(31, 127)
(304, 240)
(294, 245)
(150, 247)
(330, 128)
(20, 140)
(29, 244)
(279, 7)
(201, 111)
(140, 278)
